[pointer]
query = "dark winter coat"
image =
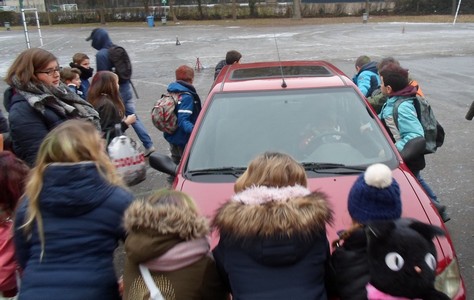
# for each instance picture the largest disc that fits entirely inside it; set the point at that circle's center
(28, 127)
(109, 117)
(187, 110)
(273, 243)
(155, 230)
(3, 123)
(348, 273)
(219, 67)
(82, 216)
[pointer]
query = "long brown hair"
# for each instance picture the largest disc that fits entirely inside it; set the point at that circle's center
(27, 63)
(272, 169)
(104, 84)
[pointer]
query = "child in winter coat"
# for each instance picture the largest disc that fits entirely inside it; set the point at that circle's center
(273, 241)
(68, 224)
(375, 196)
(13, 173)
(167, 236)
(71, 78)
(82, 62)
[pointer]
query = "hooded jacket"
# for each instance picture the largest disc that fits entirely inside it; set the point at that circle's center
(82, 216)
(367, 79)
(273, 243)
(187, 110)
(102, 42)
(409, 128)
(172, 243)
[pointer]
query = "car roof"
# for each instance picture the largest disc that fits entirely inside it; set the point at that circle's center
(280, 75)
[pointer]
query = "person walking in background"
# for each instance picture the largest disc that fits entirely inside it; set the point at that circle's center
(13, 174)
(37, 101)
(408, 136)
(167, 236)
(374, 196)
(187, 110)
(102, 43)
(69, 222)
(367, 78)
(82, 62)
(273, 242)
(105, 97)
(71, 78)
(231, 57)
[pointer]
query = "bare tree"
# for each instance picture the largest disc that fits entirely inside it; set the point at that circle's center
(146, 4)
(102, 12)
(171, 3)
(297, 9)
(234, 10)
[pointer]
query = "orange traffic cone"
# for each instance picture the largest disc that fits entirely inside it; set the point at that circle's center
(177, 41)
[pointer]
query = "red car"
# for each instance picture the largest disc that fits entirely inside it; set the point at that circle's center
(312, 111)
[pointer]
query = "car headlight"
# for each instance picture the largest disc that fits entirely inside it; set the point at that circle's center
(449, 280)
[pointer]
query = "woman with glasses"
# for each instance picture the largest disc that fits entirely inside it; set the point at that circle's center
(37, 101)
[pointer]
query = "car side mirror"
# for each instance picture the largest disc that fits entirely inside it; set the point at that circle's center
(163, 163)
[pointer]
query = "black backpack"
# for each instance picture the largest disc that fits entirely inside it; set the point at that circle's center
(434, 132)
(122, 66)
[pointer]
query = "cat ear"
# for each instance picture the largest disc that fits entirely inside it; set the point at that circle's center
(380, 229)
(428, 231)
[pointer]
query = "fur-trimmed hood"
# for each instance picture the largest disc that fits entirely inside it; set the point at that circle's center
(141, 216)
(261, 211)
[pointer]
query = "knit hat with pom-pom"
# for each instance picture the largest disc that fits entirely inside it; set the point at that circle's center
(375, 196)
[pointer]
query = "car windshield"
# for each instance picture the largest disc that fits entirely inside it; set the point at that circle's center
(325, 129)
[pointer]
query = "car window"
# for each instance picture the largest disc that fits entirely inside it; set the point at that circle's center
(330, 125)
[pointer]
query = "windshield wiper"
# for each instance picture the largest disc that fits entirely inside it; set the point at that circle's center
(321, 167)
(235, 171)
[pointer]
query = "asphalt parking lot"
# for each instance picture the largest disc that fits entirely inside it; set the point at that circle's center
(439, 56)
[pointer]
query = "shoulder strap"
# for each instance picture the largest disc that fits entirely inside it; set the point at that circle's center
(155, 293)
(397, 104)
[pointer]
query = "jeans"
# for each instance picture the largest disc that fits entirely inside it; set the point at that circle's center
(129, 103)
(427, 188)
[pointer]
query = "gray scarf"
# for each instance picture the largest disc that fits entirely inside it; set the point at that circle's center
(61, 99)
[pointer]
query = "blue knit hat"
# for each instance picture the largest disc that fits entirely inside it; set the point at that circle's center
(375, 196)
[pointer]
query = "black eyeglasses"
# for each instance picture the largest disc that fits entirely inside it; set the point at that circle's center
(49, 72)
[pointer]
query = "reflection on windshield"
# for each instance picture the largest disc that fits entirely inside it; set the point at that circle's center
(312, 125)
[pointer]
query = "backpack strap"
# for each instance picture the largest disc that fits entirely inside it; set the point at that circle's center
(155, 293)
(397, 104)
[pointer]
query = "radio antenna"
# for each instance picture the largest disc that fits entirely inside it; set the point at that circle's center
(283, 83)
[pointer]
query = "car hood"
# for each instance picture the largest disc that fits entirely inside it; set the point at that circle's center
(415, 204)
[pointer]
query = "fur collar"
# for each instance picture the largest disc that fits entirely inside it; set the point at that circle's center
(164, 220)
(268, 212)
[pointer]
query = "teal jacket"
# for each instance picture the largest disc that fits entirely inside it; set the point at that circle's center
(409, 127)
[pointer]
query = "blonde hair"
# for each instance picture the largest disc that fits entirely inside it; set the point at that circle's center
(73, 141)
(272, 169)
(172, 198)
